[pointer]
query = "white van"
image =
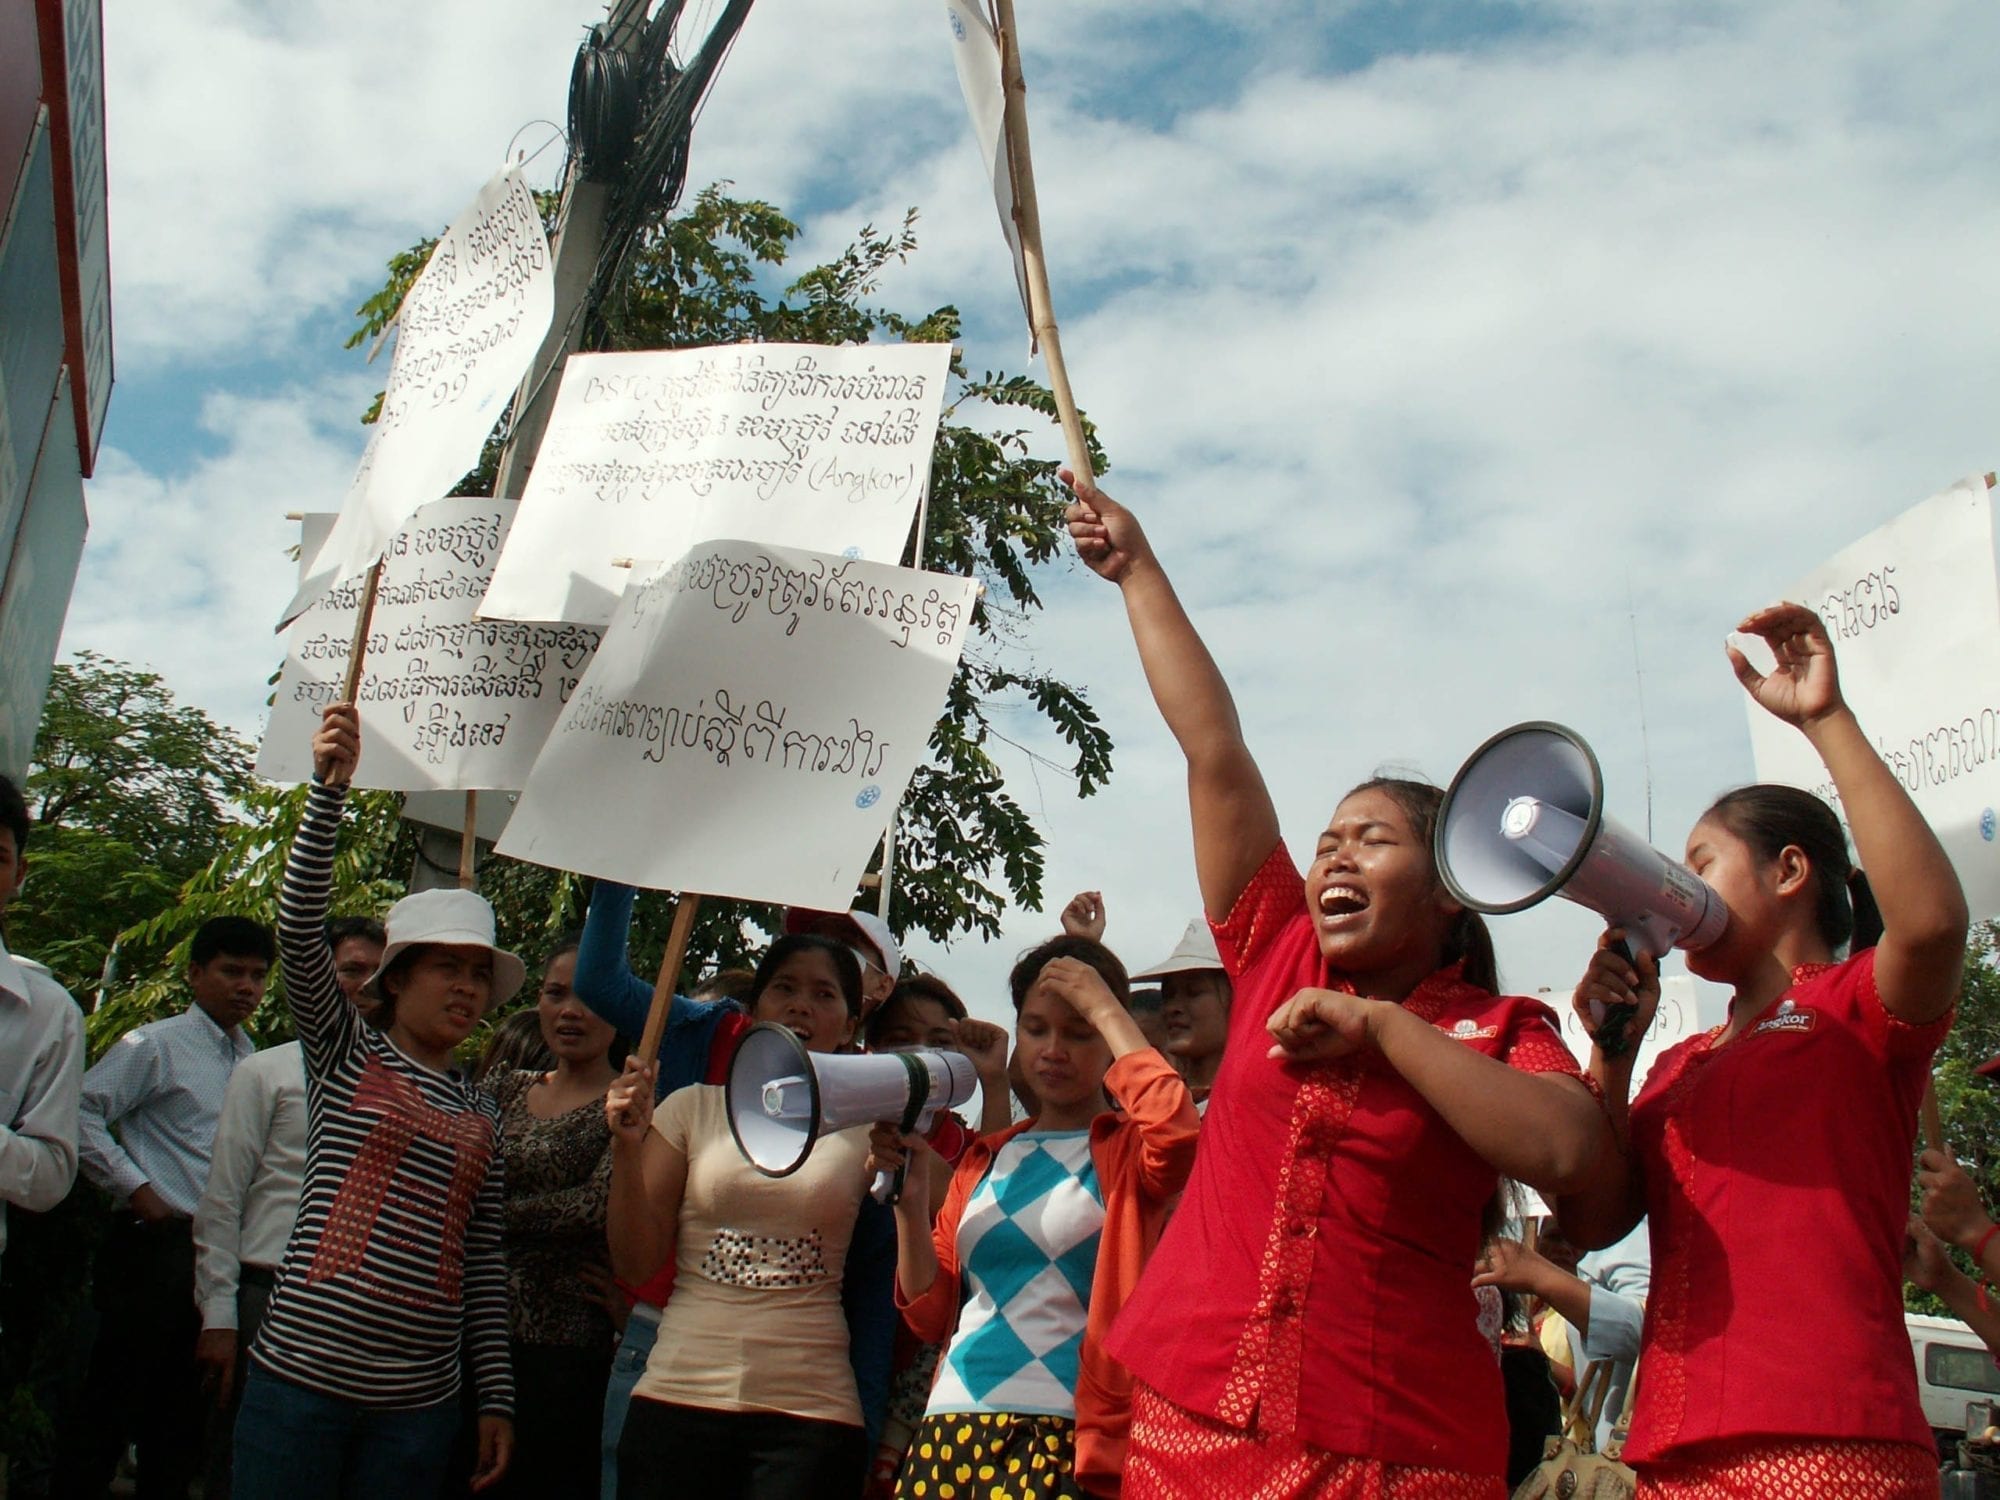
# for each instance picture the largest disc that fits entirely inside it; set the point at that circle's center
(1956, 1378)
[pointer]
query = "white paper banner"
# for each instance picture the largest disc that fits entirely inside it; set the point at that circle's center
(465, 336)
(748, 725)
(1914, 613)
(447, 701)
(796, 445)
(976, 51)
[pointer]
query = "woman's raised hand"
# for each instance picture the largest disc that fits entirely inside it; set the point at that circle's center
(1108, 536)
(1082, 988)
(1084, 916)
(986, 1045)
(336, 746)
(1804, 685)
(628, 1103)
(1613, 980)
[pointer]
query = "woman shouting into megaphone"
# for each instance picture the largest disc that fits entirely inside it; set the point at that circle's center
(1771, 1155)
(1307, 1325)
(748, 1391)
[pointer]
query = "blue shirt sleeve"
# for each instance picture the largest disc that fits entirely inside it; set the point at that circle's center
(605, 982)
(604, 979)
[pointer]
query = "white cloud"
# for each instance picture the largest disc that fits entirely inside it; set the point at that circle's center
(186, 573)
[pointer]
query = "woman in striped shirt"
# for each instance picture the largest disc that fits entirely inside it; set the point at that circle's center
(396, 1259)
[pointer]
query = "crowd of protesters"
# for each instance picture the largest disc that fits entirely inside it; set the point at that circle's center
(1250, 1230)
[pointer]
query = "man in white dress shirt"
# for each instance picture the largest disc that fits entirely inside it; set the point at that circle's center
(41, 1053)
(245, 1217)
(161, 1086)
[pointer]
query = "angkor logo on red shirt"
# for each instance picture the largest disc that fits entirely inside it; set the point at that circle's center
(1788, 1017)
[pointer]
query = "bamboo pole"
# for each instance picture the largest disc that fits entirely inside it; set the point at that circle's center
(357, 650)
(1028, 220)
(468, 843)
(670, 974)
(1932, 1119)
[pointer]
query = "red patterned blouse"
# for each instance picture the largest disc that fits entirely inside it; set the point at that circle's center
(1316, 1279)
(1777, 1173)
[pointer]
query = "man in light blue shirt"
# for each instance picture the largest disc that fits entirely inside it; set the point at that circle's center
(147, 1127)
(41, 1053)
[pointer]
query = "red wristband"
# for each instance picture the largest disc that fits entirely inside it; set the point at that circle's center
(1979, 1250)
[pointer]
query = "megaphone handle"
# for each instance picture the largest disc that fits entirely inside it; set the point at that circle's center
(888, 1186)
(1614, 1022)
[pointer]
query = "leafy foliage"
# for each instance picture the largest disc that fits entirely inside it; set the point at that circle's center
(131, 795)
(1969, 1105)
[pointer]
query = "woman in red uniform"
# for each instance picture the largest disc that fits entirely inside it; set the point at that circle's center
(1772, 1154)
(1307, 1324)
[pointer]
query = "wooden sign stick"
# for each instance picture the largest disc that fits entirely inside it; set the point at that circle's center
(670, 975)
(1933, 1120)
(468, 843)
(357, 650)
(1028, 219)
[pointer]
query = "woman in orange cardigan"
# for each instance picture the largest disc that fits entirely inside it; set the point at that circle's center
(1042, 1236)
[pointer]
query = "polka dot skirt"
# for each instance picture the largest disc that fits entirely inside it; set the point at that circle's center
(987, 1455)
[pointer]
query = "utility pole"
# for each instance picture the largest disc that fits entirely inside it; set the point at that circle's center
(631, 112)
(579, 239)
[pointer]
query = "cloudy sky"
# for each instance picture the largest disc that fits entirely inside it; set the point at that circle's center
(1469, 362)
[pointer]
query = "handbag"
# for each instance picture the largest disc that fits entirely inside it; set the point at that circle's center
(1571, 1467)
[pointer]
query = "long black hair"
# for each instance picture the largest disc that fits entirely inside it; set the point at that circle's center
(1468, 941)
(1770, 819)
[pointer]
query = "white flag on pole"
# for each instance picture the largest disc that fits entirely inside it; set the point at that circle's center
(976, 51)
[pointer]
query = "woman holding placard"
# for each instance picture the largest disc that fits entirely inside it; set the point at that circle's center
(748, 1391)
(1307, 1324)
(395, 1272)
(1772, 1154)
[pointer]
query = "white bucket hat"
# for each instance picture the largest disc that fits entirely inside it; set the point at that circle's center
(459, 918)
(1195, 951)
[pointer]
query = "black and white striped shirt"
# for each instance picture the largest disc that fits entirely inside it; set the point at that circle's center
(397, 1251)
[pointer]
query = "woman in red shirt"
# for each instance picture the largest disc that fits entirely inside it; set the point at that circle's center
(1307, 1324)
(1772, 1154)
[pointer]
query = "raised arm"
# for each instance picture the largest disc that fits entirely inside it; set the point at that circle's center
(320, 1012)
(604, 979)
(1920, 960)
(648, 1178)
(1235, 824)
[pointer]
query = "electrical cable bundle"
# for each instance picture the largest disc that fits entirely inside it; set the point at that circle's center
(603, 106)
(669, 99)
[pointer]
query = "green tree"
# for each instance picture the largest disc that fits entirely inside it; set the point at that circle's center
(1969, 1105)
(966, 847)
(132, 794)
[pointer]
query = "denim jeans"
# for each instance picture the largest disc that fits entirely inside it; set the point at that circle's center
(627, 1365)
(295, 1444)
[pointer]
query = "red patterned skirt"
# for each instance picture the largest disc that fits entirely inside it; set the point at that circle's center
(1793, 1469)
(1175, 1453)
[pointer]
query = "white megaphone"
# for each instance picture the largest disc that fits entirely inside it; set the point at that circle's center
(782, 1098)
(1524, 820)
